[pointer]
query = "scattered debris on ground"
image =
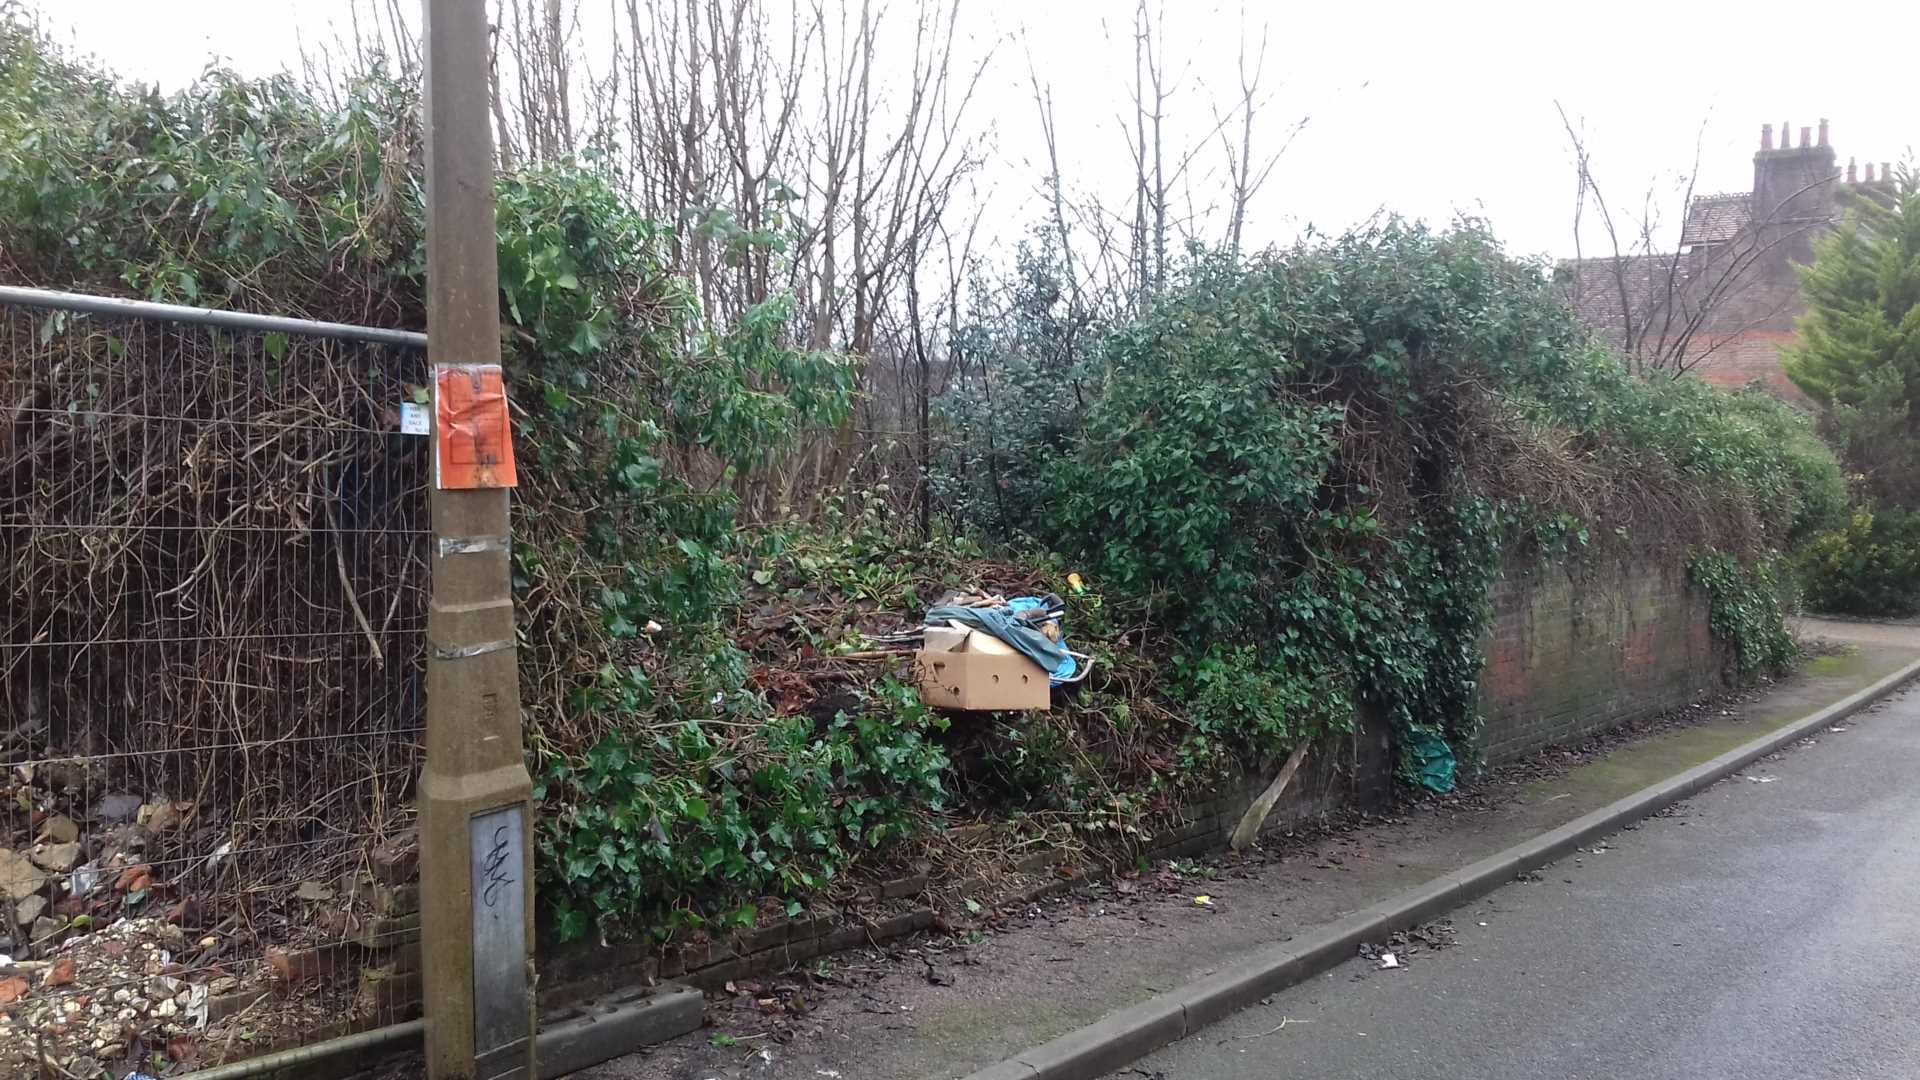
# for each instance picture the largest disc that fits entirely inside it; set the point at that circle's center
(106, 1000)
(1402, 946)
(118, 953)
(806, 1013)
(85, 887)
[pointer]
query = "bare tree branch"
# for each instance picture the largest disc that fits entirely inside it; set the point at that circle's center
(1672, 308)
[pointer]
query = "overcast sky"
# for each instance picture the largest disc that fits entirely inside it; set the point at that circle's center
(1421, 108)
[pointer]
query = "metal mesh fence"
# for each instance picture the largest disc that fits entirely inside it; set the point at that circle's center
(215, 547)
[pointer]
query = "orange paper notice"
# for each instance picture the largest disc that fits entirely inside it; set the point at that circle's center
(471, 428)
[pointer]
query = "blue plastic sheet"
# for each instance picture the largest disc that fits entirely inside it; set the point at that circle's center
(1007, 624)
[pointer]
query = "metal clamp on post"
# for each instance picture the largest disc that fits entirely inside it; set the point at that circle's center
(472, 545)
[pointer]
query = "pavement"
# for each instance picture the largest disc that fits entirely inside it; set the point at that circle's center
(941, 1007)
(1763, 928)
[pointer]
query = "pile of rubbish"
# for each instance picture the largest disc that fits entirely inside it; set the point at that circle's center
(114, 999)
(981, 650)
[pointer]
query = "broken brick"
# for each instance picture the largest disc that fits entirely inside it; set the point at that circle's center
(61, 973)
(397, 861)
(296, 966)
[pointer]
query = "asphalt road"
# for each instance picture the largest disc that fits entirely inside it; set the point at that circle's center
(1767, 928)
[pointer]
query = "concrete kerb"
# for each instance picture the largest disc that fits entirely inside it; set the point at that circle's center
(581, 1035)
(1112, 1041)
(1106, 1045)
(602, 1030)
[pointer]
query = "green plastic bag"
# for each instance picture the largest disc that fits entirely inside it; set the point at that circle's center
(1427, 760)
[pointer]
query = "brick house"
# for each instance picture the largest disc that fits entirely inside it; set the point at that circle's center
(1723, 305)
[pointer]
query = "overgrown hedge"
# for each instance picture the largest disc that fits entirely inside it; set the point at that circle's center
(1314, 464)
(1289, 486)
(1870, 566)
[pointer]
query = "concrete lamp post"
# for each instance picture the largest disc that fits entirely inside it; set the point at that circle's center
(476, 824)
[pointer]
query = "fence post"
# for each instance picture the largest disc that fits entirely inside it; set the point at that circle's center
(476, 829)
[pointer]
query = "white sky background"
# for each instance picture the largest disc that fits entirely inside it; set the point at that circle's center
(1424, 109)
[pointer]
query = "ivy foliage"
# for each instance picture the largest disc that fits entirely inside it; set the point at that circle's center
(671, 791)
(1289, 459)
(241, 192)
(1292, 483)
(1744, 609)
(685, 822)
(1755, 462)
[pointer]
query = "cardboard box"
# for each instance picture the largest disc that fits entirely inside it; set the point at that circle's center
(960, 668)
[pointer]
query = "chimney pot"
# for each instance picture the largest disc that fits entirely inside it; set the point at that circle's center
(1766, 136)
(1869, 172)
(1850, 171)
(1823, 132)
(1886, 172)
(1806, 137)
(1786, 136)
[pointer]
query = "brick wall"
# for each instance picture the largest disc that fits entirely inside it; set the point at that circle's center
(1575, 649)
(1572, 650)
(1350, 772)
(1736, 360)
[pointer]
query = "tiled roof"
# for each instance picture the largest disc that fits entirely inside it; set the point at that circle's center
(1716, 219)
(1661, 293)
(1594, 287)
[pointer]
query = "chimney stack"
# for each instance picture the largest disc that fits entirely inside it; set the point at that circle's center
(1794, 187)
(1869, 172)
(1766, 136)
(1850, 174)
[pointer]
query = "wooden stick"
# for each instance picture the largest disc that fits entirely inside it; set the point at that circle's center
(346, 586)
(1256, 814)
(868, 654)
